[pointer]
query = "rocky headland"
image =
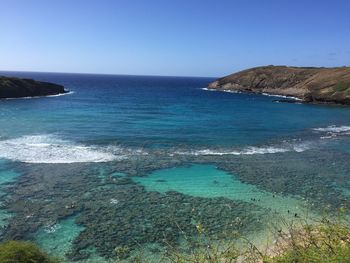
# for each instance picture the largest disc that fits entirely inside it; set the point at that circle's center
(309, 84)
(11, 87)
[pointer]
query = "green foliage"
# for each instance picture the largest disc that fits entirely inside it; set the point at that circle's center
(23, 252)
(323, 254)
(210, 254)
(325, 240)
(342, 86)
(206, 249)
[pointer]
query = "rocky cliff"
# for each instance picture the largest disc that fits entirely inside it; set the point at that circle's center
(318, 85)
(18, 88)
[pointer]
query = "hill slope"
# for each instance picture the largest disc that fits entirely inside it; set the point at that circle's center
(319, 85)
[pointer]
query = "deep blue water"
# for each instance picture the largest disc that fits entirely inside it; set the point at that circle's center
(139, 124)
(172, 110)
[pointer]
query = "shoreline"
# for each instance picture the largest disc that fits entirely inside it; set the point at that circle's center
(310, 85)
(38, 97)
(256, 93)
(296, 99)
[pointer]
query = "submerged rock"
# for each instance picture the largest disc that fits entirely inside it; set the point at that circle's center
(115, 216)
(118, 216)
(19, 88)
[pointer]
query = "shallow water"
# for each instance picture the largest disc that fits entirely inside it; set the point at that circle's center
(209, 182)
(7, 176)
(58, 237)
(129, 163)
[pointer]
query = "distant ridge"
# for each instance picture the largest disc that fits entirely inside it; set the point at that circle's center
(310, 84)
(11, 87)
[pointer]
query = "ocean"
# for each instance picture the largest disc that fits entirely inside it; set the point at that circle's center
(134, 164)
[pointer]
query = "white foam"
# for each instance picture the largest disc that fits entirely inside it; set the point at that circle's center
(207, 89)
(51, 228)
(263, 150)
(334, 129)
(222, 90)
(114, 201)
(281, 96)
(38, 97)
(51, 149)
(206, 152)
(301, 147)
(249, 150)
(59, 95)
(231, 91)
(328, 137)
(265, 94)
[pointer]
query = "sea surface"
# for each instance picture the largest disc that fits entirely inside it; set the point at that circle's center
(124, 166)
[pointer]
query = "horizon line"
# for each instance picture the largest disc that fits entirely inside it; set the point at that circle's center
(157, 75)
(104, 74)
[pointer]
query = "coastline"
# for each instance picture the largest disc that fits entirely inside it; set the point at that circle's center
(307, 85)
(296, 99)
(38, 97)
(257, 93)
(14, 87)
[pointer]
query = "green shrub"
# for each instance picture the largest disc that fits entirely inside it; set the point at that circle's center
(322, 240)
(313, 254)
(326, 242)
(342, 86)
(23, 252)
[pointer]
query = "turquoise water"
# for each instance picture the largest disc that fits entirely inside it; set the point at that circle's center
(122, 163)
(7, 176)
(58, 237)
(209, 182)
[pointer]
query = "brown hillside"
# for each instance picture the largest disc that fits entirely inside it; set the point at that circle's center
(320, 85)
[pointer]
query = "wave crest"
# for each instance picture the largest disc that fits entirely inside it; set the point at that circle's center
(251, 150)
(333, 131)
(333, 128)
(50, 149)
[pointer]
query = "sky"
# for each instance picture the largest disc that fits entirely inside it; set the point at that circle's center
(172, 38)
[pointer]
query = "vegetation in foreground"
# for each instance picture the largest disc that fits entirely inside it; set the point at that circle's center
(23, 252)
(326, 240)
(323, 241)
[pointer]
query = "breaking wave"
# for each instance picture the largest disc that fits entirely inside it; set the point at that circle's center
(249, 150)
(231, 91)
(51, 149)
(281, 96)
(45, 96)
(208, 89)
(222, 90)
(263, 93)
(333, 131)
(333, 128)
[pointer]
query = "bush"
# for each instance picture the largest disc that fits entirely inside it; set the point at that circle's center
(340, 254)
(323, 240)
(23, 252)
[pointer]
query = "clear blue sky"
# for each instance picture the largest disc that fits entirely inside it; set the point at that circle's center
(179, 37)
